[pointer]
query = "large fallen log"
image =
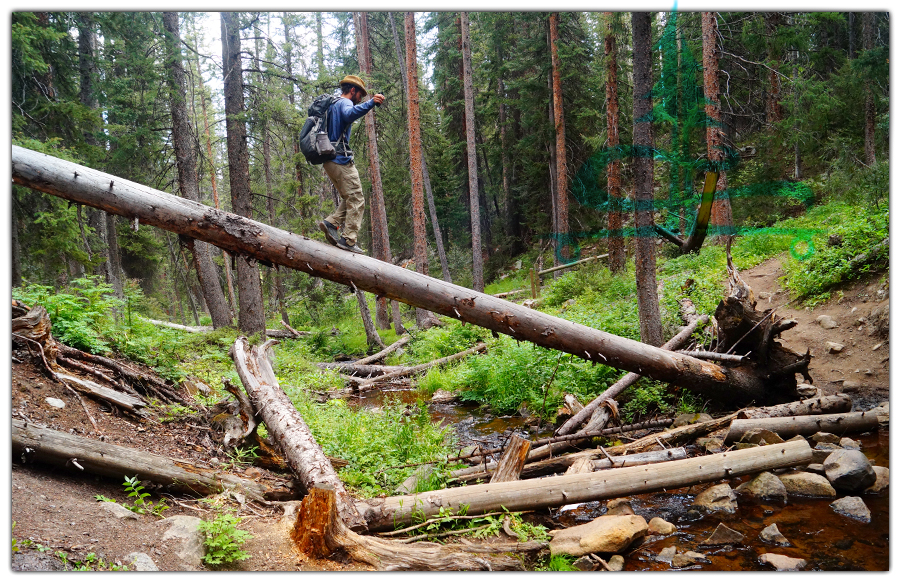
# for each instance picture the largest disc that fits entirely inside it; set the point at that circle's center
(289, 333)
(840, 403)
(123, 400)
(319, 532)
(139, 203)
(381, 513)
(32, 442)
(806, 425)
(291, 434)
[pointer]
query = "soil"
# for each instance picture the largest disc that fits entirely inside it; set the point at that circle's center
(56, 508)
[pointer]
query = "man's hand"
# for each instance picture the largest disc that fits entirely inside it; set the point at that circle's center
(379, 99)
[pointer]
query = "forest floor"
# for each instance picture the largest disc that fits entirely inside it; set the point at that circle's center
(56, 508)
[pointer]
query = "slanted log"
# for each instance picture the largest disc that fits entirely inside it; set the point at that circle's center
(268, 244)
(384, 352)
(580, 466)
(627, 381)
(290, 433)
(840, 403)
(319, 532)
(513, 460)
(383, 513)
(288, 333)
(358, 370)
(123, 400)
(806, 425)
(31, 442)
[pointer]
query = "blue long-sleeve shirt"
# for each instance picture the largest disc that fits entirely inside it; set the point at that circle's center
(340, 119)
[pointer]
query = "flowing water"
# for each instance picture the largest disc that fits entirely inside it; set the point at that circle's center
(825, 539)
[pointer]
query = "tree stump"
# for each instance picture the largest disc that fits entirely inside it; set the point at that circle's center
(513, 460)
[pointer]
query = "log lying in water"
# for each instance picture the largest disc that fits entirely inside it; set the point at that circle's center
(806, 425)
(319, 533)
(301, 452)
(268, 244)
(557, 491)
(32, 442)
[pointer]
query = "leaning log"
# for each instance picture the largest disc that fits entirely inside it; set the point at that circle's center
(384, 352)
(381, 513)
(123, 400)
(139, 203)
(319, 533)
(291, 434)
(37, 443)
(806, 425)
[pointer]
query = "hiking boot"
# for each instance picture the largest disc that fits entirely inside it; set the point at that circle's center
(331, 232)
(343, 244)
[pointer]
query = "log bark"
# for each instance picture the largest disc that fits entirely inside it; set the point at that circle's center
(291, 434)
(840, 403)
(557, 491)
(806, 425)
(627, 381)
(32, 442)
(35, 325)
(358, 370)
(123, 400)
(259, 241)
(319, 532)
(513, 460)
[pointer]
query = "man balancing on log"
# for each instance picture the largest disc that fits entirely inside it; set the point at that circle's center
(342, 226)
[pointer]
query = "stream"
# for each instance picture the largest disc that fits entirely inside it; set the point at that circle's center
(825, 539)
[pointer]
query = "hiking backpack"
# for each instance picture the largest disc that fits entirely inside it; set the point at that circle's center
(314, 142)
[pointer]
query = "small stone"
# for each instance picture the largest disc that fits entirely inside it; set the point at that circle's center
(761, 437)
(780, 562)
(834, 347)
(826, 437)
(711, 445)
(55, 402)
(852, 507)
(186, 530)
(816, 469)
(660, 527)
(826, 321)
(854, 310)
(141, 562)
(443, 396)
(688, 558)
(877, 347)
(118, 510)
(849, 444)
(765, 486)
(771, 535)
(827, 447)
(723, 535)
(585, 564)
(849, 470)
(616, 563)
(214, 462)
(619, 507)
(807, 484)
(806, 390)
(666, 554)
(882, 480)
(690, 418)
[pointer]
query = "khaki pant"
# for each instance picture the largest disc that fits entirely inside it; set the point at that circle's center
(349, 213)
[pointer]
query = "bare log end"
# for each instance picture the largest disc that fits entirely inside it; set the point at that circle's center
(313, 528)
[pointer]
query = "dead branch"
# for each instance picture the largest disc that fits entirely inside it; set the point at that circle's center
(384, 352)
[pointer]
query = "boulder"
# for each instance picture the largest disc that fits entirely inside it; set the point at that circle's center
(141, 562)
(765, 487)
(807, 484)
(852, 507)
(771, 535)
(780, 562)
(826, 321)
(721, 536)
(660, 527)
(585, 564)
(443, 396)
(849, 470)
(849, 444)
(851, 386)
(606, 534)
(882, 481)
(666, 555)
(719, 499)
(186, 529)
(619, 507)
(761, 437)
(688, 558)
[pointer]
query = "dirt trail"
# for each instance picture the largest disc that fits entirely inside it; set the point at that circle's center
(57, 509)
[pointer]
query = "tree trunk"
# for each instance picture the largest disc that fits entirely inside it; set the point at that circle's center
(474, 205)
(16, 248)
(251, 317)
(304, 456)
(806, 425)
(439, 239)
(373, 340)
(869, 136)
(616, 242)
(65, 450)
(645, 246)
(186, 163)
(420, 253)
(715, 137)
(563, 239)
(774, 110)
(259, 241)
(381, 513)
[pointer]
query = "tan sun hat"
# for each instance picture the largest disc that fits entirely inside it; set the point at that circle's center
(355, 81)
